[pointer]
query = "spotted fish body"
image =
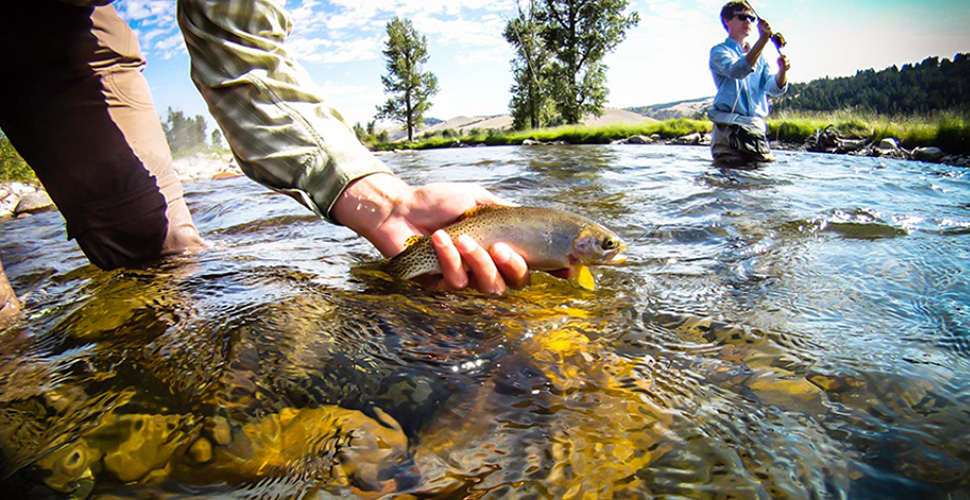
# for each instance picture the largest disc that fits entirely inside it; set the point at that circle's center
(548, 240)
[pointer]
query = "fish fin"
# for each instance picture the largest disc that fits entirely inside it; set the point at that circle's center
(581, 275)
(479, 209)
(412, 240)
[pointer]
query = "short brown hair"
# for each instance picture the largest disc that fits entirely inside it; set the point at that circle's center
(730, 8)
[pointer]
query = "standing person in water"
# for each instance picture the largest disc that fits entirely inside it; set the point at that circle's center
(75, 104)
(744, 81)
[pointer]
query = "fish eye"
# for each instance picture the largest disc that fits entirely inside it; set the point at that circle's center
(609, 244)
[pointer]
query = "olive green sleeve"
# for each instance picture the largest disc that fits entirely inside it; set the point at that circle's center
(281, 131)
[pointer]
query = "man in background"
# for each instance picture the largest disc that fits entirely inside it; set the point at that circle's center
(744, 82)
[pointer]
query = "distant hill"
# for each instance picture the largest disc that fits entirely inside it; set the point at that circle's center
(926, 87)
(691, 108)
(465, 124)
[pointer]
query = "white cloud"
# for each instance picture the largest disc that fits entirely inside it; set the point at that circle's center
(138, 10)
(663, 59)
(155, 26)
(320, 50)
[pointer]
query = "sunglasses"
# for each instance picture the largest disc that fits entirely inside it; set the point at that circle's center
(746, 17)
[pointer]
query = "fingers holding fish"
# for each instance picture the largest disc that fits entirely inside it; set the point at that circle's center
(481, 267)
(513, 267)
(453, 272)
(464, 263)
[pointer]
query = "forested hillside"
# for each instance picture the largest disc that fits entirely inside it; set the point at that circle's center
(929, 86)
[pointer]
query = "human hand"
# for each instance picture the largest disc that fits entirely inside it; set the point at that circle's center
(783, 64)
(764, 29)
(387, 211)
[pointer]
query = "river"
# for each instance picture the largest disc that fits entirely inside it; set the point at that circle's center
(797, 331)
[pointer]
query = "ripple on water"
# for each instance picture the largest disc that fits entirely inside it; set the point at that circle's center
(798, 331)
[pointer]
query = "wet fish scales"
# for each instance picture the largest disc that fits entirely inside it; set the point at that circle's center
(548, 240)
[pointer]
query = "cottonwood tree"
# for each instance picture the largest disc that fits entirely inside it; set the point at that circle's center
(410, 88)
(578, 34)
(531, 105)
(185, 135)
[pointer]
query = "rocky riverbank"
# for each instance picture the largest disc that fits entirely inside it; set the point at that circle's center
(827, 141)
(17, 198)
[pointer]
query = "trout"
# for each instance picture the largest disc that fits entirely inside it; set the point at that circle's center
(548, 240)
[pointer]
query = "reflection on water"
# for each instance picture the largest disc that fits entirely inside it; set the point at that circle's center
(799, 331)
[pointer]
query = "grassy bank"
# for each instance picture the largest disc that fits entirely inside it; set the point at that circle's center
(572, 134)
(949, 131)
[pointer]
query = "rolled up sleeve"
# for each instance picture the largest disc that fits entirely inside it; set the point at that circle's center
(280, 129)
(773, 89)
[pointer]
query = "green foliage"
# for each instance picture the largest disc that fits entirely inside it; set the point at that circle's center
(410, 88)
(578, 34)
(929, 86)
(186, 136)
(948, 131)
(953, 134)
(571, 134)
(532, 105)
(558, 69)
(13, 168)
(217, 145)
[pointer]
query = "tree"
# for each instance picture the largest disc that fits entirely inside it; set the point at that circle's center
(579, 33)
(930, 86)
(531, 105)
(184, 135)
(216, 143)
(411, 89)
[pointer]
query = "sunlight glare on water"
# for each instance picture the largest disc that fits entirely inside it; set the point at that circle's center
(797, 331)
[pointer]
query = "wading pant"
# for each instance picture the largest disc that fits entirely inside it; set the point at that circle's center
(75, 105)
(727, 152)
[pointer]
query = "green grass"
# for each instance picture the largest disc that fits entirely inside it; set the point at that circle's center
(13, 168)
(948, 131)
(572, 134)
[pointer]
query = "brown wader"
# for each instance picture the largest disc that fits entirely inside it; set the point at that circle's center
(74, 103)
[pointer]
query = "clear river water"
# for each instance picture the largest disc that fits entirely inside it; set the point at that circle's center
(797, 331)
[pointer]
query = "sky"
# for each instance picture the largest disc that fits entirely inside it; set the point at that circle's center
(663, 59)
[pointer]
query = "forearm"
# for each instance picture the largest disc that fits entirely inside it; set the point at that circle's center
(368, 204)
(781, 79)
(755, 53)
(278, 126)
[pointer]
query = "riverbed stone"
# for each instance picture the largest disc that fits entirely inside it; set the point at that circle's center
(888, 144)
(32, 203)
(930, 154)
(639, 139)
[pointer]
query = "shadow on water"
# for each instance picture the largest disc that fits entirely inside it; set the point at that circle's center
(751, 348)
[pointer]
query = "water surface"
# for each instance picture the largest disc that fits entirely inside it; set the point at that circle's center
(797, 331)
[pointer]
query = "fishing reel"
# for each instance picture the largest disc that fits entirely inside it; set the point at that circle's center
(778, 40)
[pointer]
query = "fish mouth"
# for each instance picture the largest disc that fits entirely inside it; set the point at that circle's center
(619, 258)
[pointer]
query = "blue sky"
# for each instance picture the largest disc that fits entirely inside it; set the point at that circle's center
(663, 59)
